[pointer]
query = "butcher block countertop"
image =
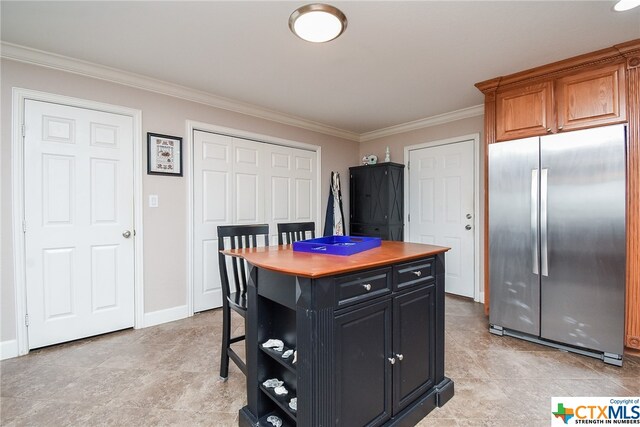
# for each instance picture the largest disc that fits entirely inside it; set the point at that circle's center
(283, 259)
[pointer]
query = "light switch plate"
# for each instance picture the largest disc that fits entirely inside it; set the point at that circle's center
(153, 200)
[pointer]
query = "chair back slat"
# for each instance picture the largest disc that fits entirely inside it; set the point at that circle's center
(239, 237)
(245, 242)
(290, 232)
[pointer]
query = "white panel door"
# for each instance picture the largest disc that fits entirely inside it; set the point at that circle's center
(248, 182)
(212, 206)
(304, 186)
(239, 181)
(78, 204)
(290, 186)
(441, 208)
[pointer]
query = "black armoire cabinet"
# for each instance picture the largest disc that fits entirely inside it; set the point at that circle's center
(376, 201)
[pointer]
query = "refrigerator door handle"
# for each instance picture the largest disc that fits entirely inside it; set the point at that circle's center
(544, 259)
(534, 220)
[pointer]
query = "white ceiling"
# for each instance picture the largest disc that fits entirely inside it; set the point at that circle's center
(397, 61)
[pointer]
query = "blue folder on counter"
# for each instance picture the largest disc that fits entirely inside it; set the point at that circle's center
(337, 245)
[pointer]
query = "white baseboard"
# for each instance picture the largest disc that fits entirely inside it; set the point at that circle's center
(8, 349)
(166, 315)
(480, 298)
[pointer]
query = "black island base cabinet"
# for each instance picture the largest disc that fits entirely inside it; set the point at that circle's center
(370, 345)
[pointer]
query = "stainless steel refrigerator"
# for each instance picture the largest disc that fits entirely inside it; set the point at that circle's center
(557, 240)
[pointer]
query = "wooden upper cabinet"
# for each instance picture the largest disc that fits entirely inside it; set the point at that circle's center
(592, 96)
(589, 98)
(524, 111)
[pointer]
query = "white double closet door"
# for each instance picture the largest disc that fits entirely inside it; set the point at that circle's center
(240, 181)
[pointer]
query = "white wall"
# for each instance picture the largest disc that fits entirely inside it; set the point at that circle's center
(396, 143)
(164, 227)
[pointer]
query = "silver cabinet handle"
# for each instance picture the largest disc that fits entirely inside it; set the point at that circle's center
(367, 287)
(468, 216)
(549, 130)
(544, 260)
(560, 127)
(126, 234)
(400, 356)
(392, 360)
(467, 227)
(418, 273)
(534, 220)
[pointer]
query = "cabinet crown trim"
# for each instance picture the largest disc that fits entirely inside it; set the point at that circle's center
(612, 54)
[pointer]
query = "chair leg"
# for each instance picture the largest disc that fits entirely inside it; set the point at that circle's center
(226, 337)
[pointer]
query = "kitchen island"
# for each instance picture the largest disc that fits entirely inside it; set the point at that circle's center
(368, 331)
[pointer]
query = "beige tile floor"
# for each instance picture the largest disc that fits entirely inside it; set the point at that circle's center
(167, 375)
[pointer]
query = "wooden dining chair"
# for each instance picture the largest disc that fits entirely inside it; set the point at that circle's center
(294, 231)
(233, 276)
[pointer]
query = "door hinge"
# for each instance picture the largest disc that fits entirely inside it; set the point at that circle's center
(24, 132)
(24, 226)
(409, 218)
(408, 165)
(26, 320)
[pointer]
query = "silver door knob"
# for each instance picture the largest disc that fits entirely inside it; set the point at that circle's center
(126, 234)
(392, 360)
(467, 227)
(399, 356)
(418, 273)
(367, 287)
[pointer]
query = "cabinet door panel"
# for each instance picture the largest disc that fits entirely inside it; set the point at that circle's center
(370, 231)
(379, 195)
(360, 196)
(524, 111)
(363, 373)
(396, 233)
(414, 334)
(592, 98)
(395, 183)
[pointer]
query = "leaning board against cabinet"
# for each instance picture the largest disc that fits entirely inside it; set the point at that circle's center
(591, 96)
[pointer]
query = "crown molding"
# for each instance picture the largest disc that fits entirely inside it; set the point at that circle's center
(439, 119)
(88, 69)
(63, 63)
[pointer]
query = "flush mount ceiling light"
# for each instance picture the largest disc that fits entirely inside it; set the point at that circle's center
(623, 5)
(317, 23)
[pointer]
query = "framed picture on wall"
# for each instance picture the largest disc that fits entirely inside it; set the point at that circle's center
(164, 154)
